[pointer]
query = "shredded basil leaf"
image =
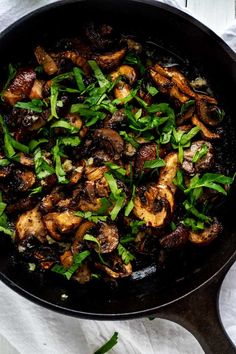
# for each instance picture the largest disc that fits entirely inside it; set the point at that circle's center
(78, 73)
(42, 168)
(125, 255)
(35, 105)
(108, 345)
(200, 153)
(11, 74)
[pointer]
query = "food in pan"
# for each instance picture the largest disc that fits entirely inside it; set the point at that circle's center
(109, 153)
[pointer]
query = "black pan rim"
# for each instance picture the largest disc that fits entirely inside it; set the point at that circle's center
(140, 313)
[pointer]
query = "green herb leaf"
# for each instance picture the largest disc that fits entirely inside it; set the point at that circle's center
(129, 139)
(192, 210)
(179, 180)
(58, 166)
(98, 74)
(127, 239)
(78, 73)
(116, 168)
(4, 162)
(11, 74)
(65, 125)
(135, 225)
(158, 162)
(33, 144)
(36, 190)
(185, 106)
(42, 168)
(108, 345)
(77, 262)
(129, 207)
(193, 224)
(35, 105)
(200, 153)
(69, 141)
(210, 180)
(125, 255)
(152, 90)
(88, 237)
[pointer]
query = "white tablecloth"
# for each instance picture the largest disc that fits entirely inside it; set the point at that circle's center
(26, 328)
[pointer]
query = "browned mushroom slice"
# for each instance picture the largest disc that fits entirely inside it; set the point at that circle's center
(108, 238)
(94, 173)
(117, 119)
(204, 163)
(145, 153)
(50, 201)
(30, 224)
(205, 131)
(118, 269)
(163, 84)
(110, 60)
(179, 97)
(168, 172)
(121, 91)
(185, 116)
(24, 180)
(23, 204)
(44, 59)
(208, 234)
(134, 46)
(83, 229)
(83, 274)
(36, 90)
(61, 223)
(127, 71)
(77, 174)
(207, 112)
(26, 160)
(176, 238)
(77, 60)
(154, 206)
(20, 87)
(111, 141)
(66, 259)
(75, 120)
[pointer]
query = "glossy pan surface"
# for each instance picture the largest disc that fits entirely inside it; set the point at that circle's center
(144, 293)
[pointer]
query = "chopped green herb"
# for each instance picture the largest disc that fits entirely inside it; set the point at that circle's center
(210, 180)
(65, 125)
(129, 207)
(116, 168)
(36, 190)
(42, 168)
(158, 162)
(78, 73)
(11, 74)
(91, 238)
(117, 195)
(192, 210)
(129, 139)
(57, 153)
(108, 345)
(91, 216)
(125, 255)
(77, 262)
(127, 239)
(98, 74)
(200, 153)
(185, 106)
(33, 144)
(4, 162)
(152, 90)
(193, 224)
(35, 105)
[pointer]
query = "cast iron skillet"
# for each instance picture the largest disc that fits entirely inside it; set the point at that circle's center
(187, 292)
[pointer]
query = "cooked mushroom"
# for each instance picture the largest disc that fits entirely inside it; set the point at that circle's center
(125, 71)
(66, 259)
(154, 205)
(111, 141)
(205, 131)
(20, 87)
(36, 90)
(30, 224)
(207, 112)
(117, 119)
(108, 238)
(75, 120)
(118, 269)
(110, 60)
(145, 153)
(24, 180)
(77, 60)
(83, 229)
(208, 234)
(176, 238)
(50, 201)
(62, 223)
(44, 59)
(204, 163)
(83, 274)
(168, 172)
(26, 160)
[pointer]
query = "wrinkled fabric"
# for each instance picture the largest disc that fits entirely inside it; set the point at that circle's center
(26, 328)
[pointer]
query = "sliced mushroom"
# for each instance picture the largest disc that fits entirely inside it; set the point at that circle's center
(154, 206)
(111, 141)
(134, 46)
(126, 71)
(24, 180)
(26, 160)
(23, 204)
(168, 172)
(206, 112)
(20, 87)
(110, 60)
(145, 153)
(162, 83)
(44, 59)
(121, 91)
(208, 234)
(30, 224)
(83, 274)
(117, 119)
(118, 269)
(66, 259)
(61, 223)
(83, 229)
(36, 90)
(204, 163)
(176, 238)
(77, 60)
(108, 238)
(95, 173)
(50, 201)
(205, 131)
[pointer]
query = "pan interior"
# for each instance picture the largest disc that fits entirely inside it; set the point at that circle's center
(190, 41)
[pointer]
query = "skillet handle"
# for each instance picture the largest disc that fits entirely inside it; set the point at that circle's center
(198, 312)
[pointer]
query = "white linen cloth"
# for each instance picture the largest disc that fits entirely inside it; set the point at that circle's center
(26, 328)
